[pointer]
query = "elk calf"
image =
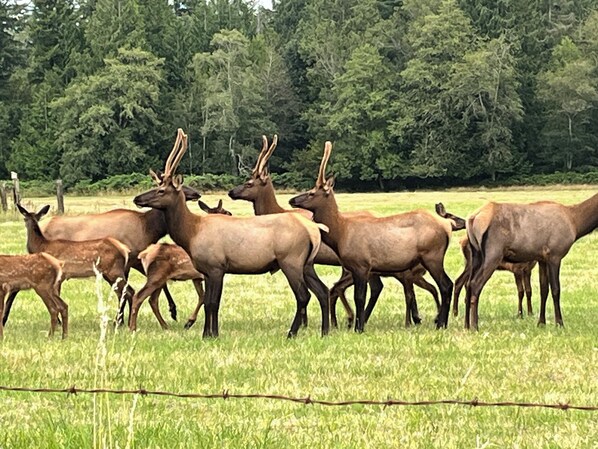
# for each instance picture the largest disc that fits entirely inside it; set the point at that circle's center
(108, 255)
(40, 272)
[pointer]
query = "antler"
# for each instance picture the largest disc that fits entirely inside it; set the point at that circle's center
(256, 171)
(322, 173)
(264, 160)
(176, 154)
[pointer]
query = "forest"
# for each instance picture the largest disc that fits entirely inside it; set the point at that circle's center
(448, 92)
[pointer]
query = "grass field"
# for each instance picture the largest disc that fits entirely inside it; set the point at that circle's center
(509, 359)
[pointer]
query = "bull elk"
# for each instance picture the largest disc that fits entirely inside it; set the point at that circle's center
(40, 272)
(219, 244)
(259, 190)
(163, 262)
(371, 245)
(542, 231)
(108, 256)
(137, 230)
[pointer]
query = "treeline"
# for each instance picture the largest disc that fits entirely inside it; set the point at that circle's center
(444, 91)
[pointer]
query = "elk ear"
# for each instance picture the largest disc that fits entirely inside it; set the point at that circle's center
(43, 211)
(219, 204)
(177, 182)
(24, 212)
(329, 185)
(156, 177)
(203, 206)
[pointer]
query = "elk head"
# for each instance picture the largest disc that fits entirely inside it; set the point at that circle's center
(34, 216)
(260, 177)
(213, 210)
(320, 195)
(169, 184)
(190, 193)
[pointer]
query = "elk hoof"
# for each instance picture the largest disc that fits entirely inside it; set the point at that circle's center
(189, 324)
(291, 334)
(349, 323)
(417, 320)
(541, 323)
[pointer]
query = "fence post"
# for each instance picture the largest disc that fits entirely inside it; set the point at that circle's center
(3, 199)
(16, 191)
(60, 196)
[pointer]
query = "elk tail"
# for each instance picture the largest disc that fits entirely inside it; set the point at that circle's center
(122, 248)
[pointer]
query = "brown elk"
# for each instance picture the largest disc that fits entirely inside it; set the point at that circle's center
(40, 272)
(521, 271)
(543, 231)
(137, 230)
(81, 259)
(259, 190)
(219, 244)
(386, 245)
(163, 262)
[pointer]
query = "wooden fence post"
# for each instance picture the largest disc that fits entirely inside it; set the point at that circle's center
(60, 196)
(16, 191)
(3, 199)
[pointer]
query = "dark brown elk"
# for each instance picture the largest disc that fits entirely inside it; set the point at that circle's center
(543, 231)
(218, 244)
(385, 245)
(259, 190)
(40, 272)
(81, 259)
(137, 230)
(521, 271)
(163, 262)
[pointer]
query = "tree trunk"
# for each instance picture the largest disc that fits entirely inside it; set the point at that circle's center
(233, 159)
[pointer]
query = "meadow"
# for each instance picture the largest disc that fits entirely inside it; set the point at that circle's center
(509, 359)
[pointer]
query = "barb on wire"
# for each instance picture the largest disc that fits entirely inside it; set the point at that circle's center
(308, 400)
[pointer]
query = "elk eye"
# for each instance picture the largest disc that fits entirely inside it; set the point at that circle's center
(310, 194)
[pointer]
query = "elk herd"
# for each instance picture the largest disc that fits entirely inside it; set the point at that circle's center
(405, 246)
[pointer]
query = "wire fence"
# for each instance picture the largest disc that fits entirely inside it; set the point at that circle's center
(302, 400)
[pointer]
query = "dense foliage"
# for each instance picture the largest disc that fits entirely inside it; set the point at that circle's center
(453, 91)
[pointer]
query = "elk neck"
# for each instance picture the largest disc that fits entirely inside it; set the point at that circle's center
(585, 216)
(155, 224)
(180, 221)
(35, 238)
(266, 203)
(329, 215)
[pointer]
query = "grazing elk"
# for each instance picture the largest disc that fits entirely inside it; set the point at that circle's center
(163, 262)
(40, 272)
(218, 244)
(542, 231)
(385, 245)
(259, 190)
(521, 271)
(108, 256)
(137, 230)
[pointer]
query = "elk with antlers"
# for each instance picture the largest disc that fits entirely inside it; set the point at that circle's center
(385, 245)
(137, 230)
(81, 259)
(218, 244)
(259, 190)
(40, 272)
(163, 262)
(543, 231)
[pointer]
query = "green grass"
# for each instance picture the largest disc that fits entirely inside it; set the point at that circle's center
(510, 359)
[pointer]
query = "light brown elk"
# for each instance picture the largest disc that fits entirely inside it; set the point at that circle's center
(40, 272)
(163, 262)
(543, 231)
(521, 271)
(108, 256)
(218, 244)
(385, 245)
(259, 190)
(137, 230)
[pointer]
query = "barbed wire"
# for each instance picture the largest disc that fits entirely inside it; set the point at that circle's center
(303, 400)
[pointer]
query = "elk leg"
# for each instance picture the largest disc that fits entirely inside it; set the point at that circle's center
(212, 302)
(2, 297)
(459, 283)
(376, 287)
(171, 304)
(197, 283)
(50, 304)
(360, 291)
(124, 293)
(554, 269)
(63, 310)
(154, 304)
(321, 291)
(436, 269)
(147, 290)
(409, 304)
(9, 301)
(519, 283)
(543, 269)
(296, 279)
(473, 263)
(338, 291)
(421, 282)
(527, 284)
(478, 281)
